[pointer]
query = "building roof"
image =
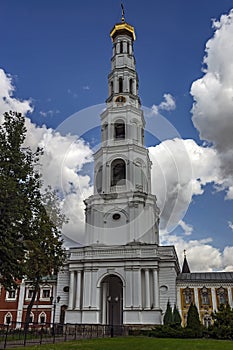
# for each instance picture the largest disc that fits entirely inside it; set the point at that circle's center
(206, 277)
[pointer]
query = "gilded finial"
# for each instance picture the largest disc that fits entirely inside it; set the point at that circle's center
(122, 13)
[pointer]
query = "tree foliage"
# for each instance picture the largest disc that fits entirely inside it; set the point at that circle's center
(193, 321)
(168, 318)
(223, 323)
(30, 225)
(176, 316)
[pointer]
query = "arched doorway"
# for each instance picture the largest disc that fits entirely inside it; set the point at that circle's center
(112, 300)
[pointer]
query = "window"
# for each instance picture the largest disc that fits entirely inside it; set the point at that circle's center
(131, 86)
(222, 296)
(119, 130)
(42, 318)
(11, 294)
(30, 293)
(111, 88)
(8, 318)
(46, 293)
(120, 85)
(205, 296)
(128, 46)
(121, 47)
(118, 172)
(31, 319)
(188, 296)
(207, 321)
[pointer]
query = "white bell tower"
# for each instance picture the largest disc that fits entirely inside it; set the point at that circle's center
(121, 275)
(122, 209)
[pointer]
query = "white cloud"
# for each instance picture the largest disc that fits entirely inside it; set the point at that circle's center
(168, 104)
(213, 98)
(49, 113)
(230, 225)
(188, 229)
(181, 169)
(61, 163)
(7, 100)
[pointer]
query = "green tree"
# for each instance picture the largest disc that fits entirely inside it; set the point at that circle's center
(168, 317)
(193, 321)
(176, 316)
(30, 227)
(223, 322)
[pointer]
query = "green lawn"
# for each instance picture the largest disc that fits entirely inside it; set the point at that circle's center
(138, 343)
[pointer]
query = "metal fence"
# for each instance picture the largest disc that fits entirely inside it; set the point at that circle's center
(16, 334)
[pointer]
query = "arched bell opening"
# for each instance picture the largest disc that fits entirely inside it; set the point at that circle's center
(118, 172)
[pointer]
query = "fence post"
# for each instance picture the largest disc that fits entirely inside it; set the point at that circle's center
(7, 330)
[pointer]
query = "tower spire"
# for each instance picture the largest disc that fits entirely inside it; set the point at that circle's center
(185, 267)
(122, 13)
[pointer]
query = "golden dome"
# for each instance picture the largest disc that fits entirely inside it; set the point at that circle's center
(122, 28)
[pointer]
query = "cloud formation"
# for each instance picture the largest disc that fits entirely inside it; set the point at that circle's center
(61, 163)
(168, 104)
(213, 98)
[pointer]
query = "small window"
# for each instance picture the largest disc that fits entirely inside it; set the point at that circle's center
(111, 87)
(119, 129)
(131, 86)
(31, 318)
(8, 318)
(30, 293)
(120, 85)
(128, 47)
(116, 216)
(46, 293)
(121, 47)
(11, 294)
(42, 318)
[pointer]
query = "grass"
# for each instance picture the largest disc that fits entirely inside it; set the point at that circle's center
(137, 343)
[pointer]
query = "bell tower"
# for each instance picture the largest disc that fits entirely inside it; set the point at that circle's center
(122, 209)
(121, 275)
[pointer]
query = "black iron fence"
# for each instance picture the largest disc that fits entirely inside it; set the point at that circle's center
(16, 334)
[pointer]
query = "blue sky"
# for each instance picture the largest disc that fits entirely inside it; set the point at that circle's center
(57, 54)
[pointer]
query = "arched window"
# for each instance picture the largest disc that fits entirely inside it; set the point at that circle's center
(128, 47)
(119, 130)
(120, 85)
(131, 86)
(8, 318)
(205, 296)
(121, 47)
(222, 296)
(42, 318)
(118, 172)
(207, 321)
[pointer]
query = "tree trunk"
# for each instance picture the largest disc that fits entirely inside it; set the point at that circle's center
(30, 306)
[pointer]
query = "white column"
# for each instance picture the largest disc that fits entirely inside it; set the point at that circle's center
(147, 286)
(196, 299)
(104, 303)
(78, 291)
(139, 287)
(128, 291)
(156, 288)
(20, 304)
(87, 289)
(213, 294)
(71, 291)
(230, 300)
